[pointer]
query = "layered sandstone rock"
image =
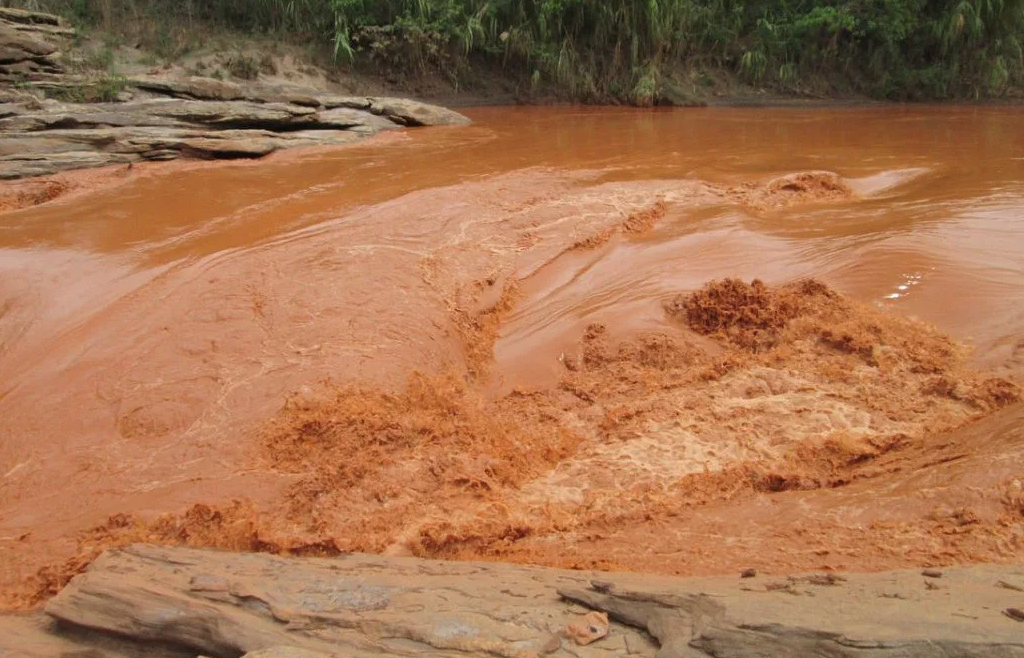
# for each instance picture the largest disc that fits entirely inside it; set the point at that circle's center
(182, 602)
(47, 137)
(31, 45)
(164, 118)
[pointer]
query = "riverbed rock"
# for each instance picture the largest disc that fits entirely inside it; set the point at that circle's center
(348, 119)
(227, 114)
(26, 166)
(38, 636)
(211, 89)
(196, 88)
(46, 137)
(402, 111)
(352, 102)
(51, 151)
(411, 113)
(222, 604)
(289, 652)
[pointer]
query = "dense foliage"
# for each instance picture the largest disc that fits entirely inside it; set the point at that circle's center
(599, 49)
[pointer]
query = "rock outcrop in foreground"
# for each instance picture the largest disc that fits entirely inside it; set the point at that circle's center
(181, 602)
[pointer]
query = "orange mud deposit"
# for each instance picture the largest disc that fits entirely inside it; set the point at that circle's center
(805, 187)
(16, 195)
(610, 339)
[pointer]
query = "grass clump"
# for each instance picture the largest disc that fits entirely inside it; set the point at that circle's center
(104, 89)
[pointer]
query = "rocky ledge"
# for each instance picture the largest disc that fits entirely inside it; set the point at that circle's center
(46, 137)
(30, 46)
(165, 118)
(148, 601)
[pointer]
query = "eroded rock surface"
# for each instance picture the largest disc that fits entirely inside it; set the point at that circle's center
(30, 45)
(38, 636)
(49, 137)
(166, 118)
(224, 604)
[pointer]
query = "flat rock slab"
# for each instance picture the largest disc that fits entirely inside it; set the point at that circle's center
(48, 137)
(402, 111)
(226, 605)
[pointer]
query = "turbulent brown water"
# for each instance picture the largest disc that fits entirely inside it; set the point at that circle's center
(483, 342)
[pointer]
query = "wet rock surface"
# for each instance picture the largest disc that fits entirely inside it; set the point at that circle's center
(184, 602)
(159, 118)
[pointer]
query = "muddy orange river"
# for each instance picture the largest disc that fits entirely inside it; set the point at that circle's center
(681, 342)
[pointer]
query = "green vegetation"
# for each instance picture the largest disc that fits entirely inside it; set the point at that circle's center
(101, 90)
(599, 50)
(100, 59)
